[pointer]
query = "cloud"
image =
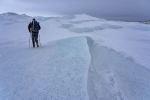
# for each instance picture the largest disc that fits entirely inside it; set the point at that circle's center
(97, 8)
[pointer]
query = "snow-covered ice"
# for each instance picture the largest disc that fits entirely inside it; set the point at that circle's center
(80, 58)
(114, 77)
(57, 70)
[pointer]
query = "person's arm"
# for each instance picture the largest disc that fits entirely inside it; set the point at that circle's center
(29, 26)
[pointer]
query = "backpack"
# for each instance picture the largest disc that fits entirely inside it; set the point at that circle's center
(35, 27)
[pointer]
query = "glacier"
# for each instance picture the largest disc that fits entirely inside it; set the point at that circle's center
(80, 58)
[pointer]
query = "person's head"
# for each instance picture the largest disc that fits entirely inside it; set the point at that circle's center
(33, 19)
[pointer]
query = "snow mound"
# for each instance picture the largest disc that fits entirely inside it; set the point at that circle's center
(79, 17)
(57, 71)
(11, 17)
(115, 77)
(96, 28)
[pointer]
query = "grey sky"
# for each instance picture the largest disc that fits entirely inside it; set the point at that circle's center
(130, 10)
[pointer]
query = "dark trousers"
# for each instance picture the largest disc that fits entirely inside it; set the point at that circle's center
(34, 38)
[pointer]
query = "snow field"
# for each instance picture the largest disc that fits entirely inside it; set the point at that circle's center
(56, 71)
(110, 63)
(115, 77)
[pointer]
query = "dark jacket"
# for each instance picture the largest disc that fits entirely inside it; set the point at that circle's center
(31, 24)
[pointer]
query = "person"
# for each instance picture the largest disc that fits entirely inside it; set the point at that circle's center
(34, 28)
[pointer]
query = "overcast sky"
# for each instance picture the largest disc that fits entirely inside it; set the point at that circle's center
(129, 10)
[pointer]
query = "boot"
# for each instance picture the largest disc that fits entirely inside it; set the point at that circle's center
(37, 45)
(33, 45)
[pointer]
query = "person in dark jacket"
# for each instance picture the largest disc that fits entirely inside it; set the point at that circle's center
(34, 28)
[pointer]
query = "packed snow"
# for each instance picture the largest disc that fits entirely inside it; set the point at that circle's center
(80, 58)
